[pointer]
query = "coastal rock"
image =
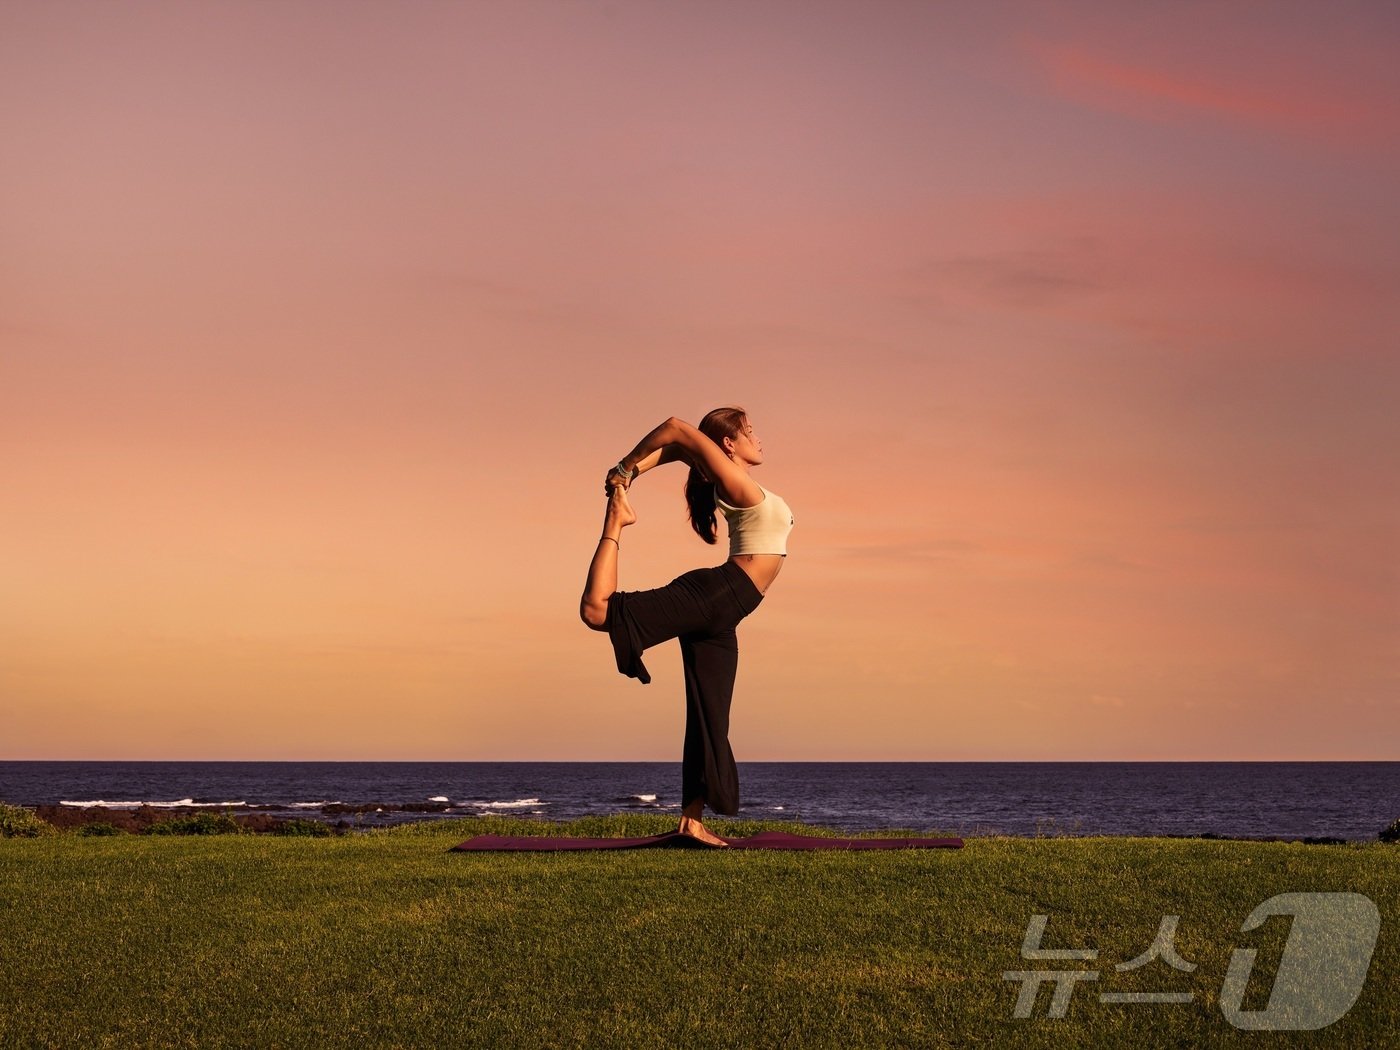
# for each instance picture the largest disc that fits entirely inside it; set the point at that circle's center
(1390, 834)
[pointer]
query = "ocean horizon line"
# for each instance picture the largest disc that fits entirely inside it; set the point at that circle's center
(748, 761)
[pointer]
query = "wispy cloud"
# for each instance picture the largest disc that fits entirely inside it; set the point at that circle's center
(1159, 92)
(930, 550)
(1029, 279)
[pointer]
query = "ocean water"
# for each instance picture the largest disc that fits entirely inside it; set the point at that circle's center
(1349, 800)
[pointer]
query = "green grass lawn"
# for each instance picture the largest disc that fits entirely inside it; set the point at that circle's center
(387, 939)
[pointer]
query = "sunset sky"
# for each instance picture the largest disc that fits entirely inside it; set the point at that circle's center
(1071, 333)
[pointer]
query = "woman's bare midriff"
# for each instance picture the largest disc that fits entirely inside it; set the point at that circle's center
(763, 569)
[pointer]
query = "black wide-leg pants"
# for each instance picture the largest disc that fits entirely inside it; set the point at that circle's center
(702, 608)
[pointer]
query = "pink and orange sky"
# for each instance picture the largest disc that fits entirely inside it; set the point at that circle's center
(1070, 332)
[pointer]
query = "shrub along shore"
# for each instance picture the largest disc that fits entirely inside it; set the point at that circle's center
(337, 818)
(204, 820)
(385, 938)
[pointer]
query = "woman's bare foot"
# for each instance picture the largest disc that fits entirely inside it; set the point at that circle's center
(619, 510)
(692, 827)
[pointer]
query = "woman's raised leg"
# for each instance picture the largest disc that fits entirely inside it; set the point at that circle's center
(602, 571)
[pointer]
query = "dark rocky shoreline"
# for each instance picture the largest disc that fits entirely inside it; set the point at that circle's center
(139, 819)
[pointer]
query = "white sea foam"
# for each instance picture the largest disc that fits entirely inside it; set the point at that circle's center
(181, 804)
(519, 803)
(645, 798)
(314, 805)
(439, 798)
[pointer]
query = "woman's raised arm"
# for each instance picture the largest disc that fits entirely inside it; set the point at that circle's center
(668, 454)
(734, 484)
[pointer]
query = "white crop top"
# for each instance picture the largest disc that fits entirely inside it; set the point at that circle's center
(760, 529)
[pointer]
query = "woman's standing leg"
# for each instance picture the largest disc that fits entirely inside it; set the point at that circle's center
(602, 571)
(708, 771)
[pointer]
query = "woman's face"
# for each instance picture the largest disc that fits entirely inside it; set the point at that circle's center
(746, 446)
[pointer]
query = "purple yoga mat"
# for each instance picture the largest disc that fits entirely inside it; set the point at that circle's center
(675, 840)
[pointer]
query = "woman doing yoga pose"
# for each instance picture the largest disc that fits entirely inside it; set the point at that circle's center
(703, 607)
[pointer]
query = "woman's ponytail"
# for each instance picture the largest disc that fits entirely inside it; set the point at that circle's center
(721, 423)
(701, 506)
